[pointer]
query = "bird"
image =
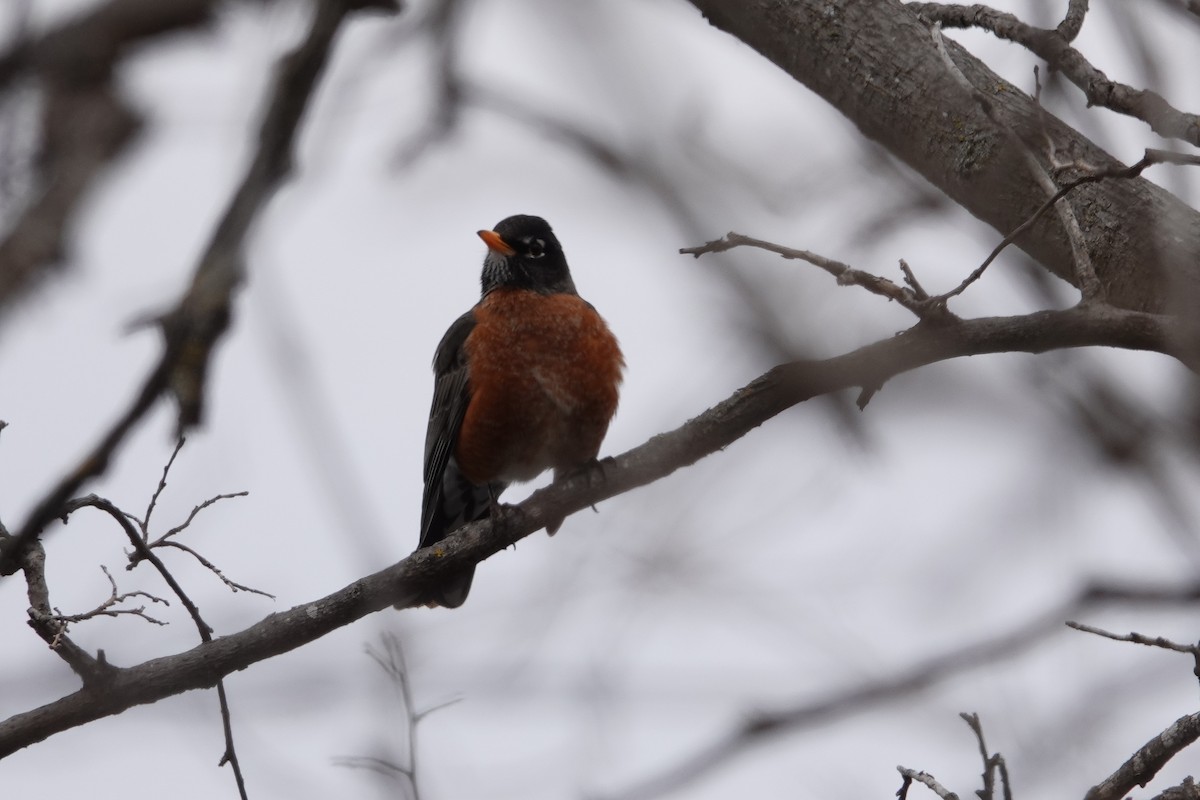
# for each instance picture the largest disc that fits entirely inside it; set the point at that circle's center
(526, 381)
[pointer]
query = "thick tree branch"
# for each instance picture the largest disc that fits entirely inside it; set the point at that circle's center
(403, 583)
(891, 82)
(1143, 765)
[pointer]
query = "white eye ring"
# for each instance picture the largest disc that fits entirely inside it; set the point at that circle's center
(537, 248)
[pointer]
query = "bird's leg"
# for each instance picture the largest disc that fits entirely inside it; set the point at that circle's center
(593, 470)
(495, 507)
(499, 513)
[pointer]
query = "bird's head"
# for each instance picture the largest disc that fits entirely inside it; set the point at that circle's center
(523, 253)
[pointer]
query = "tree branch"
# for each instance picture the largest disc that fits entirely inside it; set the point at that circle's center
(913, 776)
(85, 125)
(891, 82)
(1143, 765)
(1055, 48)
(909, 297)
(839, 704)
(193, 327)
(403, 583)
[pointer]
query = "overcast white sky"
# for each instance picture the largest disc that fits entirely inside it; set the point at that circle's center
(806, 558)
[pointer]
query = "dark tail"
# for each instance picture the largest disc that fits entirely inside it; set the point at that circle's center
(452, 593)
(453, 504)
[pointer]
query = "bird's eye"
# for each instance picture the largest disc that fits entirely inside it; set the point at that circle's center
(537, 248)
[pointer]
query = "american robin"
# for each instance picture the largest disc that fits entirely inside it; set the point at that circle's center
(525, 381)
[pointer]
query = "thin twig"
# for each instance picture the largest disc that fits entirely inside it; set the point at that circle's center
(181, 526)
(92, 671)
(1137, 638)
(205, 630)
(108, 507)
(391, 660)
(162, 485)
(1151, 157)
(992, 763)
(911, 279)
(845, 274)
(989, 774)
(213, 568)
(108, 607)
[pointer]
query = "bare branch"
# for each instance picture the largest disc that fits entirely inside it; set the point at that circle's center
(911, 775)
(210, 501)
(204, 629)
(109, 607)
(382, 766)
(1143, 765)
(391, 660)
(210, 566)
(138, 553)
(1069, 28)
(144, 522)
(992, 763)
(97, 502)
(1191, 649)
(1055, 48)
(85, 124)
(43, 620)
(1096, 174)
(192, 328)
(1137, 638)
(783, 387)
(836, 705)
(846, 275)
(230, 756)
(1187, 790)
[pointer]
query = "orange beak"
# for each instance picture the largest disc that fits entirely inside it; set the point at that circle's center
(494, 242)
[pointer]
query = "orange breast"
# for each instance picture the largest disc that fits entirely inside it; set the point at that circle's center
(543, 376)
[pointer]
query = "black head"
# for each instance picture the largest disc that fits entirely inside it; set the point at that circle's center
(523, 253)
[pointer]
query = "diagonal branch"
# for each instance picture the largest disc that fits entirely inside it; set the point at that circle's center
(85, 124)
(1143, 765)
(193, 327)
(403, 583)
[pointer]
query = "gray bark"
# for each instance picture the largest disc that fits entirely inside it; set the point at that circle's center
(877, 63)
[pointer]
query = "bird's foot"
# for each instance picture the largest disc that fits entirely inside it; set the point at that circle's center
(592, 470)
(503, 516)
